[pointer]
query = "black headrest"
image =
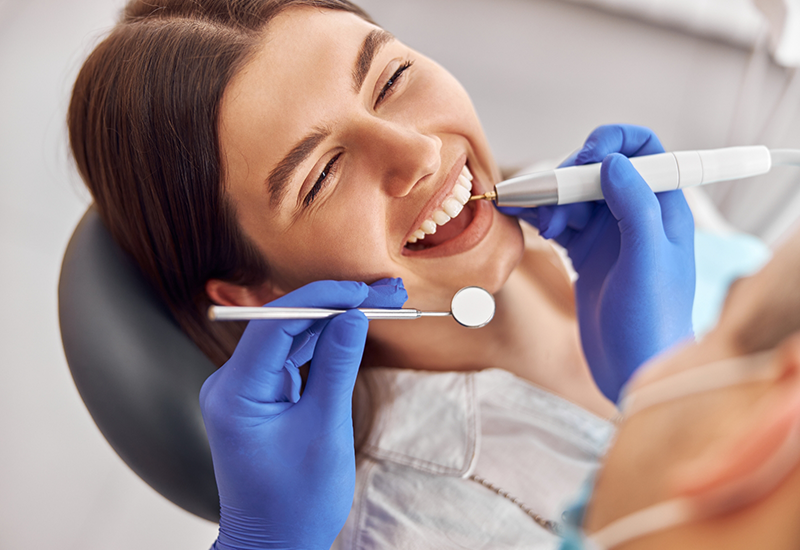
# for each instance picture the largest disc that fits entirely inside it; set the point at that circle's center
(137, 372)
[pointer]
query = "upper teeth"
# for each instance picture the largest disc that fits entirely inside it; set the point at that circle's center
(450, 208)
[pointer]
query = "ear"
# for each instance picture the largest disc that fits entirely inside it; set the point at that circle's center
(759, 457)
(224, 293)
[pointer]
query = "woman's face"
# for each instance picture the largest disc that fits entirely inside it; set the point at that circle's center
(338, 143)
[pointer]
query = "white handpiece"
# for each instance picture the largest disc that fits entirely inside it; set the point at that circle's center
(662, 172)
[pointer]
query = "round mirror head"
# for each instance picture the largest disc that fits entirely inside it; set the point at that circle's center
(472, 307)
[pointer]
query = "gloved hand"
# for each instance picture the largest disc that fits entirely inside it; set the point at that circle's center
(285, 464)
(634, 254)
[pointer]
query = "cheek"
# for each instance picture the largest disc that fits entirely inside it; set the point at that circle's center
(449, 109)
(343, 242)
(434, 96)
(446, 104)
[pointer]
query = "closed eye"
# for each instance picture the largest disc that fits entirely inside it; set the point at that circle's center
(388, 88)
(323, 178)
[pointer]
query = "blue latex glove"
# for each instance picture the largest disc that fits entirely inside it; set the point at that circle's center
(634, 254)
(285, 464)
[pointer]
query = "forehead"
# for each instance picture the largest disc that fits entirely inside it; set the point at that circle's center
(300, 71)
(298, 43)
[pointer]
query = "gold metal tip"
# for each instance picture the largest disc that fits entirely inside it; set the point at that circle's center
(491, 195)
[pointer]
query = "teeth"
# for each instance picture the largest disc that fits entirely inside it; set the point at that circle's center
(428, 227)
(440, 217)
(452, 207)
(461, 194)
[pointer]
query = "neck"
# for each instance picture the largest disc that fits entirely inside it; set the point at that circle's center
(534, 335)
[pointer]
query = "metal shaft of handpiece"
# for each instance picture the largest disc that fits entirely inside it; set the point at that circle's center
(491, 195)
(229, 313)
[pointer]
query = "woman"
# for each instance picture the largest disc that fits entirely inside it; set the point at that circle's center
(247, 152)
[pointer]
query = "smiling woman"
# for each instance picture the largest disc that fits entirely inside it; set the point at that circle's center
(241, 150)
(361, 142)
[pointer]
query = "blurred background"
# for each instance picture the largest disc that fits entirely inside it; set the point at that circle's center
(542, 73)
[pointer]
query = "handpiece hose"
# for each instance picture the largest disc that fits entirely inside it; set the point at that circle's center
(662, 172)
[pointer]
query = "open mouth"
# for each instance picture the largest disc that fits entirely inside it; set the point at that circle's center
(449, 219)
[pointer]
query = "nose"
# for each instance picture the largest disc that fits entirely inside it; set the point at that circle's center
(402, 155)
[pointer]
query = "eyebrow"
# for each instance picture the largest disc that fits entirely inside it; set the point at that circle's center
(282, 173)
(372, 44)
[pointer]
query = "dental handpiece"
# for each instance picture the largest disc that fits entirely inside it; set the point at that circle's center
(662, 172)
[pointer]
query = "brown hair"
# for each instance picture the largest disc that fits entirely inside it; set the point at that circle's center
(143, 126)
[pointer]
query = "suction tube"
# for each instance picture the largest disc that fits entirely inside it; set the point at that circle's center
(662, 172)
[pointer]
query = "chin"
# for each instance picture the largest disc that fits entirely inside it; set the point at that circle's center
(433, 281)
(501, 251)
(490, 263)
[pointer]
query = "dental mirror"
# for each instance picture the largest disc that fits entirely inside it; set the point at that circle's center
(472, 307)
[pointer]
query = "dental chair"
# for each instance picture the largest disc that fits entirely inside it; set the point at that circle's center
(137, 372)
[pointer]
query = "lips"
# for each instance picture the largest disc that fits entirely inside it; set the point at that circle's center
(445, 228)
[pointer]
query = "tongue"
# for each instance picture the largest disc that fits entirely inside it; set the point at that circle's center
(450, 230)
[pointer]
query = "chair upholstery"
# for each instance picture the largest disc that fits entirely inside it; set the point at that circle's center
(137, 372)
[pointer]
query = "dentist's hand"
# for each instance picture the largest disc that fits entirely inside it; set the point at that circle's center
(285, 464)
(634, 254)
